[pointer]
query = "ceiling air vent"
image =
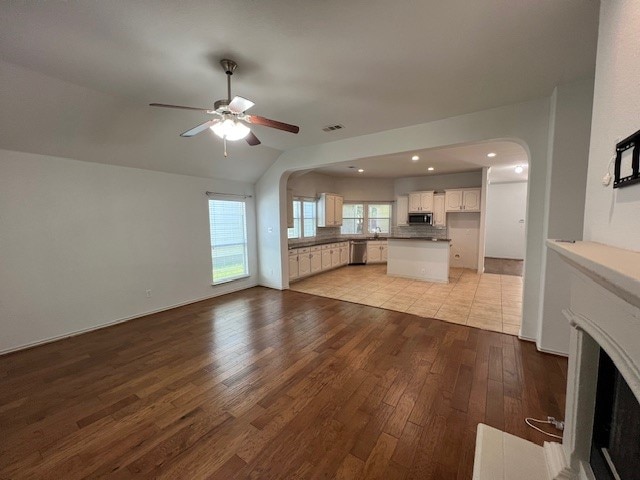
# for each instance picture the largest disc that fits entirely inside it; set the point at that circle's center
(331, 128)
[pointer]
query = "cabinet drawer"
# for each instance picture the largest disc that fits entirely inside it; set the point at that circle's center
(317, 248)
(303, 250)
(293, 251)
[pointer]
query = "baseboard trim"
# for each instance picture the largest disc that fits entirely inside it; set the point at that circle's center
(553, 352)
(75, 333)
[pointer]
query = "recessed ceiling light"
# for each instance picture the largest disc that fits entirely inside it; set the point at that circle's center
(430, 169)
(491, 154)
(518, 169)
(360, 170)
(415, 158)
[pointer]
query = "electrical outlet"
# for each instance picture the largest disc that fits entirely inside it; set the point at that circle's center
(148, 293)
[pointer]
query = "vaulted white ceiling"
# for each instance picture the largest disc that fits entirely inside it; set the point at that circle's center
(370, 65)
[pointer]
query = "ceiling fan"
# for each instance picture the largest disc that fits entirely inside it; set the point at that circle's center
(229, 116)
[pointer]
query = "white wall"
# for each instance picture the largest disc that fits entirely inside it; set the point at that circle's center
(613, 216)
(440, 183)
(526, 123)
(312, 184)
(81, 242)
(464, 231)
(506, 212)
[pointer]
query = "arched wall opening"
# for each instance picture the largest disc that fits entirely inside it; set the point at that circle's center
(525, 124)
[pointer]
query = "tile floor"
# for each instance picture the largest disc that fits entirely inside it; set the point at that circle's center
(487, 301)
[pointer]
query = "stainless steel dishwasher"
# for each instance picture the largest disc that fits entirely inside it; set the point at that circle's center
(358, 252)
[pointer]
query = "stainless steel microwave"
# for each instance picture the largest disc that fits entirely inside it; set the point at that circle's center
(421, 219)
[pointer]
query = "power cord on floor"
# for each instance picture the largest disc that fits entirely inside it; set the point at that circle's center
(550, 420)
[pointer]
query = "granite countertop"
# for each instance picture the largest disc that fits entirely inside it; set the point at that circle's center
(313, 243)
(433, 239)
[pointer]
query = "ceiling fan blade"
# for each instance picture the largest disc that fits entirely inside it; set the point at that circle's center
(252, 139)
(258, 120)
(181, 107)
(239, 105)
(200, 128)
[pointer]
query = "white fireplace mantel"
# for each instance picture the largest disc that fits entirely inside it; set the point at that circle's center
(604, 312)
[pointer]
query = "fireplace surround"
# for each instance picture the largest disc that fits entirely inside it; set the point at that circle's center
(604, 313)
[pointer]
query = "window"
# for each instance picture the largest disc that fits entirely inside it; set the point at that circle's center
(304, 218)
(352, 218)
(365, 218)
(228, 229)
(379, 218)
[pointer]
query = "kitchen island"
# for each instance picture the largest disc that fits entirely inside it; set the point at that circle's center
(419, 258)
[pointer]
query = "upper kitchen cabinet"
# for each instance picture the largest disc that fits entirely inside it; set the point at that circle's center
(402, 210)
(439, 214)
(329, 210)
(420, 202)
(462, 200)
(289, 209)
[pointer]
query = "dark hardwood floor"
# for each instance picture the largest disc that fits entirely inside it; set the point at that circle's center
(267, 384)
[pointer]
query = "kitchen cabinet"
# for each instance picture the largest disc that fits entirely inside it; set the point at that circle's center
(402, 211)
(315, 257)
(467, 200)
(289, 209)
(329, 210)
(344, 253)
(439, 214)
(326, 257)
(420, 202)
(293, 264)
(335, 255)
(376, 251)
(304, 262)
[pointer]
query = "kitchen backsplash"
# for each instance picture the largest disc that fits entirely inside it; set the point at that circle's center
(322, 233)
(419, 231)
(331, 233)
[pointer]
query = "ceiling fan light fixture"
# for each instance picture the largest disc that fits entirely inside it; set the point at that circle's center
(230, 129)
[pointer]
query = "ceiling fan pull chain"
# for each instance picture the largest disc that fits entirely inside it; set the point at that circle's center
(224, 142)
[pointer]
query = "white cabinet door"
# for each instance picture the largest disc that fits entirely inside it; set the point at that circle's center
(304, 264)
(426, 201)
(316, 261)
(326, 259)
(402, 210)
(344, 255)
(415, 204)
(439, 215)
(293, 266)
(373, 252)
(337, 209)
(329, 210)
(471, 200)
(383, 252)
(289, 209)
(453, 200)
(335, 256)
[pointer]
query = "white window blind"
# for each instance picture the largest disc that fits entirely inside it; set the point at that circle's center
(304, 219)
(228, 228)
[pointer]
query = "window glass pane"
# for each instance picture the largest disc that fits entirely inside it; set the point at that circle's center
(309, 215)
(294, 232)
(352, 218)
(379, 223)
(380, 211)
(228, 229)
(379, 216)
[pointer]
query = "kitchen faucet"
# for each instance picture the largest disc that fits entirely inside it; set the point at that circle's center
(377, 232)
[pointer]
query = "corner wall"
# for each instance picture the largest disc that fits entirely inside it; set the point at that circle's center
(81, 242)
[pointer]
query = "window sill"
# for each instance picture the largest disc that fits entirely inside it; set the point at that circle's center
(217, 284)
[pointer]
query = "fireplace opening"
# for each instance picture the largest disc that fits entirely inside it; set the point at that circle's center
(615, 447)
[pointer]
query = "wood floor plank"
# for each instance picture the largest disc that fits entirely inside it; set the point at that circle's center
(269, 384)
